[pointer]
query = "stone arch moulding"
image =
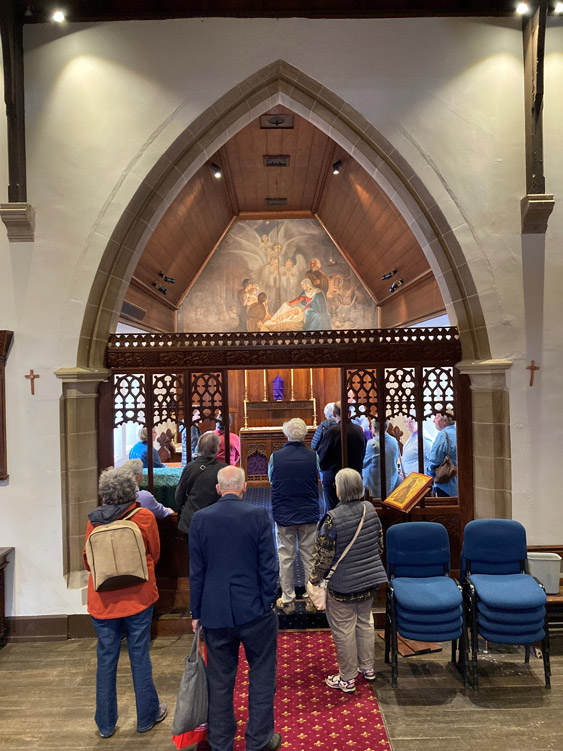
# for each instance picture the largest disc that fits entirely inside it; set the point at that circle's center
(278, 83)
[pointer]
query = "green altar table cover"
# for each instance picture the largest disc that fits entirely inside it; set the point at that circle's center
(166, 480)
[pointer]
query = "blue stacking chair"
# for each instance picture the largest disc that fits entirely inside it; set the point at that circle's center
(504, 604)
(423, 602)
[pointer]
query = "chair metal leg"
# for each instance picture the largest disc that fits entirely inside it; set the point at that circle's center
(454, 650)
(471, 601)
(387, 628)
(545, 653)
(526, 654)
(394, 646)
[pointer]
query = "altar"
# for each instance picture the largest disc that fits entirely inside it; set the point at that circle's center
(256, 447)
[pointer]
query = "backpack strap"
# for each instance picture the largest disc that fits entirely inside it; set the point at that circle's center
(131, 513)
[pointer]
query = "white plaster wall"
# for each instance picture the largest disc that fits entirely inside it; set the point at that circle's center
(104, 101)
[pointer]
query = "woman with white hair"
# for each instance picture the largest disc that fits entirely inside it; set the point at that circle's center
(294, 473)
(355, 581)
(146, 499)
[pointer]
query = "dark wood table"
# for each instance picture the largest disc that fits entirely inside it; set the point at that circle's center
(4, 553)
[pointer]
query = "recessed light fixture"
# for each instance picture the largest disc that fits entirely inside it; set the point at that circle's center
(216, 170)
(522, 9)
(336, 167)
(58, 16)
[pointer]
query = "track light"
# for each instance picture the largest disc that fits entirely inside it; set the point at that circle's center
(168, 279)
(58, 16)
(160, 288)
(396, 285)
(29, 11)
(336, 167)
(216, 170)
(389, 275)
(522, 9)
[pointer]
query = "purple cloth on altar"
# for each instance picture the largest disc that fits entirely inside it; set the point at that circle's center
(278, 388)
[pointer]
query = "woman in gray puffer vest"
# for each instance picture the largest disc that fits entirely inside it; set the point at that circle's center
(355, 581)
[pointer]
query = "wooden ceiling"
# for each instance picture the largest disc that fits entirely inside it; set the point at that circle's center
(356, 213)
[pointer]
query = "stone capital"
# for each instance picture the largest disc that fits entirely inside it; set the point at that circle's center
(485, 375)
(19, 219)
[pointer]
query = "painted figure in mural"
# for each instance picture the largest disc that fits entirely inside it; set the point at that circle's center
(270, 282)
(247, 296)
(318, 278)
(257, 313)
(289, 280)
(313, 302)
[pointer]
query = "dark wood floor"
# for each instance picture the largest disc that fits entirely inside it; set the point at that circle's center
(47, 700)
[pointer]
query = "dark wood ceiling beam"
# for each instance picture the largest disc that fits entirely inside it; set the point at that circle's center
(145, 10)
(12, 54)
(536, 206)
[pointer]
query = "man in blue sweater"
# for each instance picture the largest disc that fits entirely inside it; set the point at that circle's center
(233, 585)
(294, 474)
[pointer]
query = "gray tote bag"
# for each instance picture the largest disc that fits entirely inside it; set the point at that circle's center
(191, 704)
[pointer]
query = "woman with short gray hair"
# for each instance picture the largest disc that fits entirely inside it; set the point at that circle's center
(295, 429)
(355, 580)
(128, 610)
(197, 489)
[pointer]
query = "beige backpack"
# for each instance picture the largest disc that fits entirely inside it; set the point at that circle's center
(116, 555)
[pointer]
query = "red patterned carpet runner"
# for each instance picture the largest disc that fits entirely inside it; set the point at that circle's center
(309, 714)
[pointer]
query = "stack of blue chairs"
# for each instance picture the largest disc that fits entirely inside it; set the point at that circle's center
(504, 604)
(423, 602)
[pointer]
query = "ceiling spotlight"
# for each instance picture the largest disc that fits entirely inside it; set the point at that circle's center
(396, 285)
(522, 9)
(58, 16)
(169, 279)
(336, 167)
(389, 275)
(160, 288)
(216, 170)
(29, 11)
(558, 8)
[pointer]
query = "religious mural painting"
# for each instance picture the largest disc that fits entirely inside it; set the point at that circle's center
(277, 275)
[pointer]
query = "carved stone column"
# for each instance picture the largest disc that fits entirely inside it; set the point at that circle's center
(79, 462)
(491, 437)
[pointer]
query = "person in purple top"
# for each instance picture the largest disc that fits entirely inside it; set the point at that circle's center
(146, 499)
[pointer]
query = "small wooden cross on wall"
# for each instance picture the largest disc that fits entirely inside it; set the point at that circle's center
(31, 376)
(532, 368)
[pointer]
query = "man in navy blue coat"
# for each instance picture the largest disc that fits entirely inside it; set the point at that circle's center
(233, 586)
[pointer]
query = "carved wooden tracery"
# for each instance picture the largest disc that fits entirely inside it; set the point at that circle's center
(160, 377)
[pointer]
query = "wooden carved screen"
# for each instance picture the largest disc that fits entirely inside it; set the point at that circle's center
(5, 341)
(153, 399)
(418, 392)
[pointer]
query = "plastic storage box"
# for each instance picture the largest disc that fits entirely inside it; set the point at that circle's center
(547, 568)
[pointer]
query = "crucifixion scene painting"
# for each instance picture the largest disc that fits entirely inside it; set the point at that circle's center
(277, 275)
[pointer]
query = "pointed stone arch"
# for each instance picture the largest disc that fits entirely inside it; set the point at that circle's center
(278, 83)
(157, 176)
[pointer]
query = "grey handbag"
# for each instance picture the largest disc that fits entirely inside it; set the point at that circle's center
(191, 704)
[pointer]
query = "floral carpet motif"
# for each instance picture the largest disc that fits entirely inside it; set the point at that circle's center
(309, 715)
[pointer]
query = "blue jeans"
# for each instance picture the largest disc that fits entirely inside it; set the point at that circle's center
(259, 638)
(110, 631)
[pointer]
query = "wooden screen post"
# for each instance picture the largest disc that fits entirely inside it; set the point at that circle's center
(5, 341)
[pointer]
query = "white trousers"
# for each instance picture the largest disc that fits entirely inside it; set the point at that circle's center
(290, 539)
